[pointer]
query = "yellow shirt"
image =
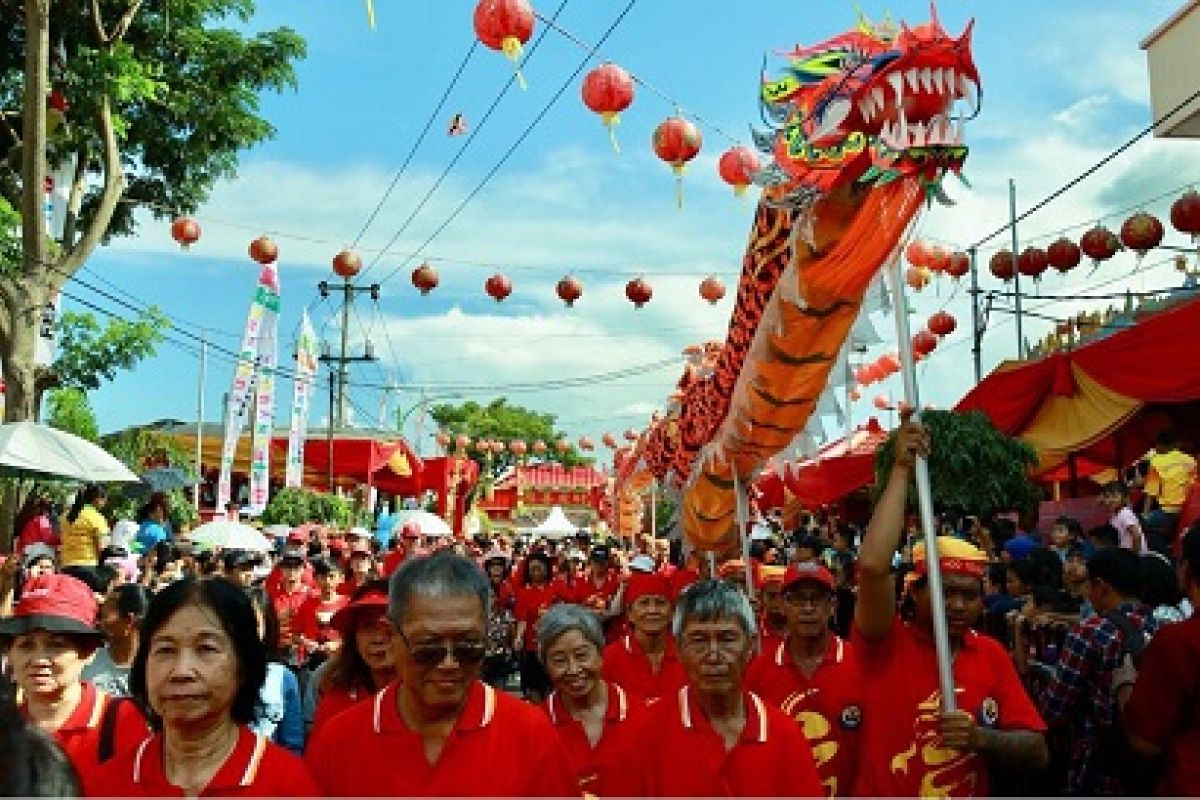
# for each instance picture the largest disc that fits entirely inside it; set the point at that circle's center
(1171, 475)
(81, 538)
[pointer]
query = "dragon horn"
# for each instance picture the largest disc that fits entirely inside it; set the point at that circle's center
(934, 22)
(965, 39)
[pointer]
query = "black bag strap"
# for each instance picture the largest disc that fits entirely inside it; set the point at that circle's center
(108, 728)
(1133, 640)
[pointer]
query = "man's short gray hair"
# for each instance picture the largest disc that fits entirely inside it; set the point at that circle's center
(709, 600)
(563, 618)
(442, 574)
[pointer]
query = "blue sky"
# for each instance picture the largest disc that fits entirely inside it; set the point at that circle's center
(1063, 84)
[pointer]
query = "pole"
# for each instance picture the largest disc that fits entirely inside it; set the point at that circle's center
(420, 423)
(343, 372)
(976, 331)
(200, 419)
(654, 507)
(329, 436)
(941, 634)
(741, 513)
(1012, 222)
(849, 408)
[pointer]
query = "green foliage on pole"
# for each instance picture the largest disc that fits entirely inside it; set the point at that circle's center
(70, 411)
(142, 449)
(90, 354)
(294, 507)
(973, 468)
(500, 421)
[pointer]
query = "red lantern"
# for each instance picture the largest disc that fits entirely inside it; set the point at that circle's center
(462, 442)
(882, 402)
(638, 292)
(942, 323)
(862, 377)
(1099, 244)
(855, 395)
(1185, 214)
(347, 264)
(263, 250)
(1141, 233)
(889, 363)
(609, 441)
(443, 440)
(1063, 254)
(1002, 265)
(924, 343)
(939, 258)
(738, 166)
(608, 90)
(518, 447)
(958, 265)
(917, 277)
(498, 287)
(712, 290)
(498, 448)
(539, 447)
(677, 142)
(569, 290)
(1032, 262)
(425, 278)
(186, 231)
(917, 253)
(505, 25)
(586, 443)
(874, 373)
(631, 435)
(562, 446)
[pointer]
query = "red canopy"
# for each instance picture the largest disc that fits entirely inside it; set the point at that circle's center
(364, 459)
(838, 469)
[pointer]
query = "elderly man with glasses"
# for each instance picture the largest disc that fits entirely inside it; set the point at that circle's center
(438, 730)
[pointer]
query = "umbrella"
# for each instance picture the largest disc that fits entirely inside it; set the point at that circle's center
(230, 536)
(429, 524)
(28, 449)
(159, 479)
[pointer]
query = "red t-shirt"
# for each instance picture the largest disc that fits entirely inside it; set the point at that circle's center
(312, 619)
(596, 596)
(902, 705)
(37, 530)
(596, 767)
(532, 602)
(332, 702)
(500, 747)
(287, 604)
(1164, 708)
(79, 735)
(256, 768)
(828, 706)
(676, 753)
(628, 666)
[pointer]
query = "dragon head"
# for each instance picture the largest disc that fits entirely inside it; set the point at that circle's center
(870, 106)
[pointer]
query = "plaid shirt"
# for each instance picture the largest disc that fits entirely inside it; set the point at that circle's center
(1080, 694)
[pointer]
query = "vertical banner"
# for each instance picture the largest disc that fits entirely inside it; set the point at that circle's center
(306, 374)
(268, 358)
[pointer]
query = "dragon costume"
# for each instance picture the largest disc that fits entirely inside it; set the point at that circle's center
(864, 127)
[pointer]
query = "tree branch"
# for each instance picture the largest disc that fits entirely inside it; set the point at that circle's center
(71, 222)
(98, 23)
(114, 186)
(122, 26)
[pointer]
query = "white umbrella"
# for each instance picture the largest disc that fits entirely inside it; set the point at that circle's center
(429, 524)
(230, 536)
(30, 449)
(555, 525)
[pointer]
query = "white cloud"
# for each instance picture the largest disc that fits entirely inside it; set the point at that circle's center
(1082, 111)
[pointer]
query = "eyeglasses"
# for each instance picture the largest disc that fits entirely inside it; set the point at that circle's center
(430, 655)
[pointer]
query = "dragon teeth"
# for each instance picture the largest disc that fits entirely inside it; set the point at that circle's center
(926, 76)
(937, 81)
(914, 79)
(878, 99)
(896, 79)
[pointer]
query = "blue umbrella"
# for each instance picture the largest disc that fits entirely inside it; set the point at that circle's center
(159, 479)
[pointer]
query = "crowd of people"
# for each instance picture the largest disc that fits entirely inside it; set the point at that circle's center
(360, 663)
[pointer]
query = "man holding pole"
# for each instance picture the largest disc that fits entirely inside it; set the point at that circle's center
(913, 745)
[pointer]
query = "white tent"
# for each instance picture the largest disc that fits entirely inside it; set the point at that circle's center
(555, 525)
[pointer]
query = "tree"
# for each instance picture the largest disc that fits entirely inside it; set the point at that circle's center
(141, 449)
(973, 468)
(499, 421)
(70, 411)
(89, 354)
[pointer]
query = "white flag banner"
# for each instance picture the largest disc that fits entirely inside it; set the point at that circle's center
(260, 440)
(306, 372)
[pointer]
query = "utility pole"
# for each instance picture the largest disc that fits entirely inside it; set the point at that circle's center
(976, 331)
(200, 418)
(1012, 222)
(337, 414)
(420, 423)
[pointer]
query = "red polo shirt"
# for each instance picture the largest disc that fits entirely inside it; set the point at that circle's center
(500, 746)
(596, 596)
(256, 768)
(334, 701)
(79, 735)
(313, 618)
(828, 706)
(678, 754)
(627, 665)
(532, 602)
(900, 753)
(596, 766)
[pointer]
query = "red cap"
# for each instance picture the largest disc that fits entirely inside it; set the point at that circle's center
(808, 571)
(647, 583)
(347, 616)
(54, 602)
(411, 530)
(297, 537)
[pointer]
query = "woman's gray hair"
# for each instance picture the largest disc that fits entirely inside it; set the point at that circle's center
(708, 600)
(563, 617)
(442, 574)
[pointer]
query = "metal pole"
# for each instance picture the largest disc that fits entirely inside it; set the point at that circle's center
(976, 331)
(849, 408)
(200, 419)
(1012, 221)
(941, 634)
(654, 507)
(343, 372)
(420, 423)
(329, 435)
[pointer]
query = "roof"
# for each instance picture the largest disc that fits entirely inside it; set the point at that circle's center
(1171, 22)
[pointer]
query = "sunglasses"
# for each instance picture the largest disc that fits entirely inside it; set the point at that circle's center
(431, 655)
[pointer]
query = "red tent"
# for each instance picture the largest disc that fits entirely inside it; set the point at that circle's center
(365, 458)
(838, 469)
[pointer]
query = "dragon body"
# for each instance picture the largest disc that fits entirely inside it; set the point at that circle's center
(864, 128)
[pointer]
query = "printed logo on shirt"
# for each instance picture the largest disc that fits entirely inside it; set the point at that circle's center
(989, 712)
(851, 718)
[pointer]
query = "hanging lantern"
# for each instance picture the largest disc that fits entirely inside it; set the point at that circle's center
(443, 439)
(889, 363)
(855, 395)
(1142, 233)
(1002, 265)
(862, 376)
(1032, 262)
(425, 278)
(264, 250)
(569, 290)
(737, 168)
(498, 448)
(562, 446)
(609, 440)
(712, 290)
(631, 435)
(924, 343)
(882, 402)
(483, 446)
(518, 448)
(1063, 254)
(608, 90)
(958, 264)
(874, 373)
(498, 287)
(677, 141)
(917, 253)
(939, 259)
(506, 26)
(1064, 327)
(539, 447)
(1099, 244)
(639, 292)
(347, 264)
(942, 323)
(1185, 214)
(462, 442)
(585, 443)
(186, 231)
(905, 407)
(917, 277)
